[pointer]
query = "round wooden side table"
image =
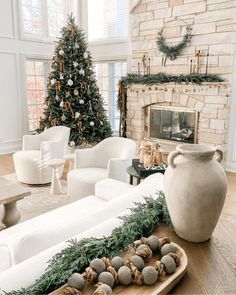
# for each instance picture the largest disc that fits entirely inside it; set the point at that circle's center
(70, 158)
(55, 185)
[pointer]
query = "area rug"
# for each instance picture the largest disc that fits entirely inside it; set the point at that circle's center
(40, 200)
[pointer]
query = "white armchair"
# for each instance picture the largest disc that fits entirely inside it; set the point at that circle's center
(31, 163)
(108, 159)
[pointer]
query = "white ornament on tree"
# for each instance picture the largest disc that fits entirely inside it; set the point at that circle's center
(75, 64)
(101, 123)
(62, 104)
(61, 77)
(61, 52)
(57, 98)
(76, 45)
(76, 92)
(86, 55)
(63, 118)
(53, 81)
(91, 123)
(81, 72)
(77, 115)
(81, 101)
(72, 143)
(70, 82)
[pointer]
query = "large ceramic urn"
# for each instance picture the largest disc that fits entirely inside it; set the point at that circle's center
(195, 188)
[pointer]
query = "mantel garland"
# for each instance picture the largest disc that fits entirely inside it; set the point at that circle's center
(142, 220)
(172, 51)
(152, 79)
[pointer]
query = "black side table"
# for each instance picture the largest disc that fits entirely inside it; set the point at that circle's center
(143, 172)
(133, 173)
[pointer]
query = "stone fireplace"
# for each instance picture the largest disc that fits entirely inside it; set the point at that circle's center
(209, 104)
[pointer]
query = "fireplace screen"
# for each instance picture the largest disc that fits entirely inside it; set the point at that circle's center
(173, 125)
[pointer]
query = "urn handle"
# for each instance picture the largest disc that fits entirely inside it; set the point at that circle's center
(172, 157)
(219, 155)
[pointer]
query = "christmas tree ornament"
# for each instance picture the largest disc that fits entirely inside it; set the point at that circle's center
(67, 93)
(76, 280)
(62, 65)
(53, 81)
(58, 85)
(101, 123)
(76, 46)
(107, 278)
(61, 77)
(63, 118)
(62, 104)
(86, 55)
(168, 248)
(70, 82)
(81, 101)
(150, 275)
(124, 275)
(169, 264)
(61, 52)
(75, 64)
(117, 262)
(103, 289)
(91, 123)
(81, 72)
(76, 92)
(72, 143)
(77, 115)
(98, 265)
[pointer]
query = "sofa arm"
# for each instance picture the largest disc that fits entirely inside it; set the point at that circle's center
(49, 150)
(31, 142)
(116, 168)
(85, 158)
(108, 189)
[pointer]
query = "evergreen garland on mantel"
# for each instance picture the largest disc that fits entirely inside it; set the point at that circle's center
(152, 79)
(144, 218)
(169, 78)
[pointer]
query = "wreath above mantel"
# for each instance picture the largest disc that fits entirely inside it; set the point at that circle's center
(172, 51)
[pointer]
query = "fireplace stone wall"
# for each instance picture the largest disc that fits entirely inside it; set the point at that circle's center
(211, 101)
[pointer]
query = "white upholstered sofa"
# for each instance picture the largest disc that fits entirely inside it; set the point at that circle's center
(26, 248)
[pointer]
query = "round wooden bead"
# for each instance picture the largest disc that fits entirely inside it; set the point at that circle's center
(98, 265)
(76, 280)
(153, 242)
(117, 262)
(168, 248)
(150, 275)
(124, 275)
(169, 264)
(105, 288)
(106, 278)
(138, 262)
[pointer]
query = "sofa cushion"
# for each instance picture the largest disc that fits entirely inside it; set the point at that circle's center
(6, 260)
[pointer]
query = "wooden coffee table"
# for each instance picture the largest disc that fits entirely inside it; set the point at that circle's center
(10, 193)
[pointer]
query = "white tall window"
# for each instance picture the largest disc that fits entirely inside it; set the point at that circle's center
(43, 19)
(36, 85)
(107, 19)
(108, 76)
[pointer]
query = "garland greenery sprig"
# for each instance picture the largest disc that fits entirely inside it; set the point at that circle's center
(172, 51)
(142, 220)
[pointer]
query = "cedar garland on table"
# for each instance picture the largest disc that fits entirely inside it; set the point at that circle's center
(142, 220)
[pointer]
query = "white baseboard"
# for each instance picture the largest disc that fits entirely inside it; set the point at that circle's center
(10, 146)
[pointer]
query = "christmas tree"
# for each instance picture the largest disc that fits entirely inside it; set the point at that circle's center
(73, 96)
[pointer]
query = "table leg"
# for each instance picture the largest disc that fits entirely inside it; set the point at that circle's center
(55, 185)
(138, 180)
(11, 214)
(71, 164)
(131, 179)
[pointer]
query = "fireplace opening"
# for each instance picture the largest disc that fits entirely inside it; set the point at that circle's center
(177, 124)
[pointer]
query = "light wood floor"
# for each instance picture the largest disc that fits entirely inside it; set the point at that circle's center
(212, 265)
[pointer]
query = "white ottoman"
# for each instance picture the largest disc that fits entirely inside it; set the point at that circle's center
(81, 182)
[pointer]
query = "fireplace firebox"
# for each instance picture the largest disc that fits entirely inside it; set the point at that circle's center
(172, 123)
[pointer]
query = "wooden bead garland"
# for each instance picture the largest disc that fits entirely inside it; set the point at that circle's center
(109, 273)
